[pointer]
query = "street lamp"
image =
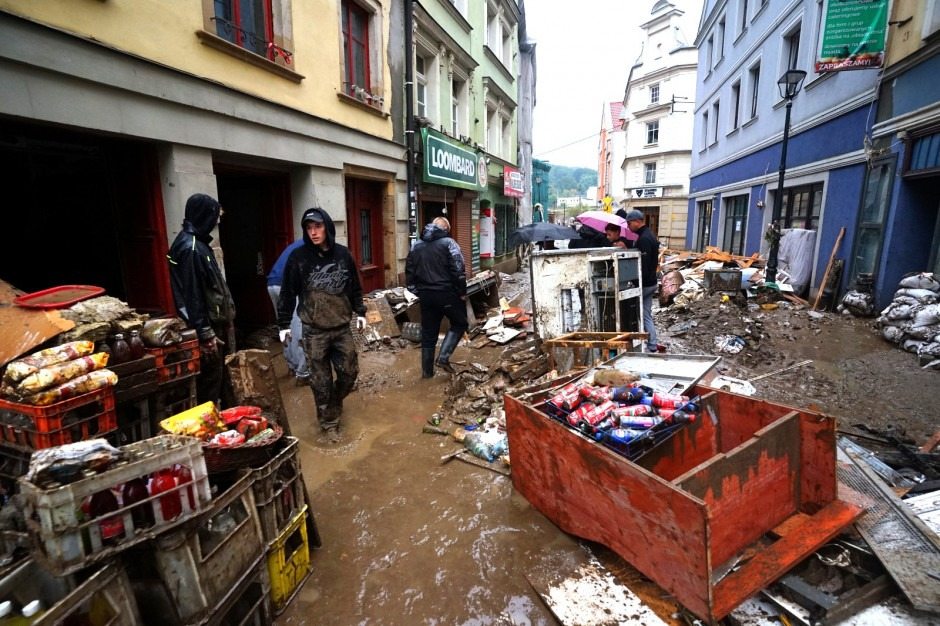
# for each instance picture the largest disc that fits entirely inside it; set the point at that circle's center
(789, 84)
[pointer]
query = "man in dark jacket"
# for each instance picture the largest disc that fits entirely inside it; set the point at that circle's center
(590, 238)
(202, 297)
(648, 246)
(321, 281)
(434, 270)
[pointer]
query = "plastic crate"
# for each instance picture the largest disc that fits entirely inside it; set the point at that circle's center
(289, 562)
(104, 597)
(203, 562)
(173, 398)
(65, 541)
(14, 461)
(249, 603)
(176, 362)
(279, 490)
(134, 423)
(83, 417)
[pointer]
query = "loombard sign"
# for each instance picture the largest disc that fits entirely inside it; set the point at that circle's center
(447, 162)
(853, 35)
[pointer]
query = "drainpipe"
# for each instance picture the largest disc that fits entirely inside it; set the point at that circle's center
(410, 122)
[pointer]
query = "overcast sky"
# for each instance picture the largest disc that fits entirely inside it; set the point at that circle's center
(583, 55)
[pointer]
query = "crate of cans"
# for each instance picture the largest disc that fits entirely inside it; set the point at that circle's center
(102, 502)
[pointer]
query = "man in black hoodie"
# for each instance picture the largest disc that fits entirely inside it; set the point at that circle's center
(202, 297)
(434, 270)
(322, 281)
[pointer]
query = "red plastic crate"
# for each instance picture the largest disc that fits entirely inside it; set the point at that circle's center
(76, 419)
(176, 362)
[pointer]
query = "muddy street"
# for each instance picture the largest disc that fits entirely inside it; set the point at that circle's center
(409, 539)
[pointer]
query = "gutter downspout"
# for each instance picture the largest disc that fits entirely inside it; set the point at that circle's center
(410, 123)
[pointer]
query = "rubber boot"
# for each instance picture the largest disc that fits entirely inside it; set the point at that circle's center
(451, 339)
(427, 362)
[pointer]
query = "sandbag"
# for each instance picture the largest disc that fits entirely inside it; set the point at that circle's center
(894, 334)
(923, 296)
(858, 303)
(926, 333)
(926, 316)
(931, 348)
(898, 311)
(912, 345)
(920, 280)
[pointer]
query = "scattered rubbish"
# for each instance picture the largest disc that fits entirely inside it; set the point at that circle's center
(732, 344)
(486, 444)
(734, 385)
(434, 430)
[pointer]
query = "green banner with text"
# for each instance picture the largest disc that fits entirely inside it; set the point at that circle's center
(448, 162)
(853, 35)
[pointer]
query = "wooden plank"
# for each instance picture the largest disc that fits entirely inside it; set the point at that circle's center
(254, 382)
(832, 258)
(931, 443)
(379, 314)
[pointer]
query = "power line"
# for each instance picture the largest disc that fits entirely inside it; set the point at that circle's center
(543, 152)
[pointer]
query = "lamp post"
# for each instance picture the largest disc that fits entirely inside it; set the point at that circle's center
(789, 85)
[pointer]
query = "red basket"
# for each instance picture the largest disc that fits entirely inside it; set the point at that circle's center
(176, 362)
(76, 419)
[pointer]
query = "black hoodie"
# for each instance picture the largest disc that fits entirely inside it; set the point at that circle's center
(326, 282)
(202, 298)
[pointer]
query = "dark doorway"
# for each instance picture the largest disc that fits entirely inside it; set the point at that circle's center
(88, 207)
(652, 218)
(253, 231)
(364, 200)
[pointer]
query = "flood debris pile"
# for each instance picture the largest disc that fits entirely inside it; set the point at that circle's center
(689, 276)
(912, 320)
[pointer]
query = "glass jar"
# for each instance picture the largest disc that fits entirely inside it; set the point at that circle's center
(120, 350)
(138, 350)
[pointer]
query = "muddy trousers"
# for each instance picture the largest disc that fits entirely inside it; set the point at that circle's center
(435, 306)
(334, 367)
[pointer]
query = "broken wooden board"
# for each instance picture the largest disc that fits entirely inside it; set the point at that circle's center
(591, 596)
(21, 329)
(380, 316)
(254, 383)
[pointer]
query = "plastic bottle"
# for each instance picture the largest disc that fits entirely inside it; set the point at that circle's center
(6, 612)
(136, 344)
(120, 350)
(185, 475)
(135, 490)
(31, 612)
(111, 528)
(171, 506)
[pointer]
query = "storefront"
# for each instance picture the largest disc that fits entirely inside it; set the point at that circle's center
(500, 205)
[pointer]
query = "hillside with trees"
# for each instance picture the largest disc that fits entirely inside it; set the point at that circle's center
(569, 181)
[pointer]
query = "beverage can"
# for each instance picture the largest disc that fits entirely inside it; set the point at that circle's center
(632, 410)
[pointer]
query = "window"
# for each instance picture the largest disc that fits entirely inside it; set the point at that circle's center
(735, 104)
(649, 173)
(356, 50)
(735, 219)
(654, 93)
(801, 206)
(742, 14)
(506, 144)
(652, 132)
(421, 87)
(720, 40)
(498, 34)
(710, 53)
(703, 226)
(791, 49)
(704, 130)
(753, 75)
(871, 219)
(248, 24)
(716, 116)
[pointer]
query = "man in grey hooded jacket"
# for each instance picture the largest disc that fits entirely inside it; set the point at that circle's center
(322, 281)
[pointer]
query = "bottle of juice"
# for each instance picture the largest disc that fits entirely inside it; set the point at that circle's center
(171, 505)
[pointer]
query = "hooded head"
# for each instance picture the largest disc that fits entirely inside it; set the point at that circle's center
(318, 215)
(202, 213)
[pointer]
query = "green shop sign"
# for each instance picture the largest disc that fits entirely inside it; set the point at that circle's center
(447, 162)
(853, 36)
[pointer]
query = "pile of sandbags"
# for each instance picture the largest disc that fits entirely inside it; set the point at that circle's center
(912, 320)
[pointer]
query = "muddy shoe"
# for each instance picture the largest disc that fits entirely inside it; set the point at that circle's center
(332, 435)
(446, 366)
(301, 381)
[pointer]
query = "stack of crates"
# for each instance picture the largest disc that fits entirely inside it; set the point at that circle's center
(67, 539)
(102, 595)
(137, 382)
(177, 367)
(25, 427)
(211, 567)
(286, 522)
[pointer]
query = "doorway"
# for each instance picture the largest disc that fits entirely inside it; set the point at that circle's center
(253, 232)
(364, 200)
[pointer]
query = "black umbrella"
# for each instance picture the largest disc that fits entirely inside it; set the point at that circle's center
(540, 231)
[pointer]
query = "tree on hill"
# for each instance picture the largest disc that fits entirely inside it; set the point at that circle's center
(569, 181)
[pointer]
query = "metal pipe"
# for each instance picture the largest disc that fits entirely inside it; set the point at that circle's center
(410, 123)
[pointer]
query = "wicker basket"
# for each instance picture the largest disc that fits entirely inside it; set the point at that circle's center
(220, 459)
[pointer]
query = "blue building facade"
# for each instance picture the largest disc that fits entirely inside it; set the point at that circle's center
(744, 47)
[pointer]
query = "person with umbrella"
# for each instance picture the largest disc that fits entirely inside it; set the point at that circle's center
(648, 246)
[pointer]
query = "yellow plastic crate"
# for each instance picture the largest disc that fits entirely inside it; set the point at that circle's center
(289, 561)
